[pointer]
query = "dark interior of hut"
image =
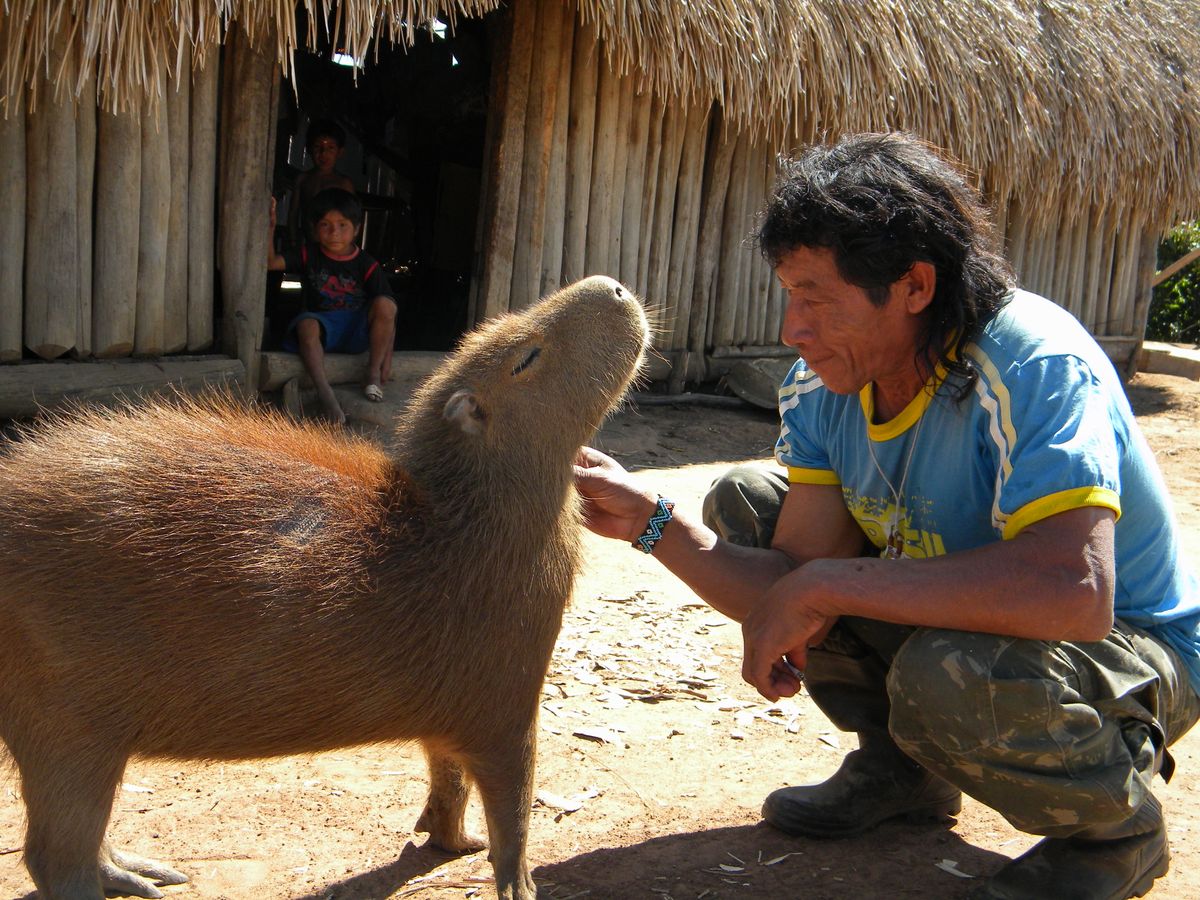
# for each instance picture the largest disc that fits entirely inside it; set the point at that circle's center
(415, 118)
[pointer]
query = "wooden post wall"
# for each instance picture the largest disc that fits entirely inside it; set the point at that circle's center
(12, 230)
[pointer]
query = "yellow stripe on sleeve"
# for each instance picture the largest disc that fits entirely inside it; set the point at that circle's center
(1062, 501)
(797, 475)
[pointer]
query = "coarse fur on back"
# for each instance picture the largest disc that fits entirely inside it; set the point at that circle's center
(202, 579)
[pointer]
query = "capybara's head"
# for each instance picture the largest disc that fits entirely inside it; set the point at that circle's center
(536, 383)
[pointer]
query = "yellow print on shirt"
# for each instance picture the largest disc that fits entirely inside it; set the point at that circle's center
(875, 516)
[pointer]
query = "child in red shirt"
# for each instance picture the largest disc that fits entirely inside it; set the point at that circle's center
(348, 305)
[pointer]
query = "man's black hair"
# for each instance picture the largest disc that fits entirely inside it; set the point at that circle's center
(881, 202)
(319, 128)
(334, 199)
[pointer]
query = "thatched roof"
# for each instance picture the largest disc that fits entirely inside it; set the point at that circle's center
(1097, 101)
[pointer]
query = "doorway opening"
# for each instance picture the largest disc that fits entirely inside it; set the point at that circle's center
(414, 120)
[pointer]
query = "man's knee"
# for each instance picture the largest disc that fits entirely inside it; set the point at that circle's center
(942, 687)
(743, 505)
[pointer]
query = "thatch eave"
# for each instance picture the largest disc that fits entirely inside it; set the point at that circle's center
(1096, 102)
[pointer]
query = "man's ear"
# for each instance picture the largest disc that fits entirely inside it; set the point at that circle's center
(917, 286)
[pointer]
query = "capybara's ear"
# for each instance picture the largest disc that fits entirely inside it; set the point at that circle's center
(463, 410)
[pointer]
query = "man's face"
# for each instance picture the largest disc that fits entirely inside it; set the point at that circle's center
(845, 338)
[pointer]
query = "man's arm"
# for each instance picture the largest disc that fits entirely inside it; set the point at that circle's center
(1053, 581)
(813, 523)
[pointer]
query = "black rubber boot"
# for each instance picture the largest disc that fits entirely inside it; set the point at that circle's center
(1113, 862)
(875, 783)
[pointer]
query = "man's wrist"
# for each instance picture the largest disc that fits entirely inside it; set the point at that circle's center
(660, 515)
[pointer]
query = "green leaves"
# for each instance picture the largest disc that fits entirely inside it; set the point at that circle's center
(1175, 308)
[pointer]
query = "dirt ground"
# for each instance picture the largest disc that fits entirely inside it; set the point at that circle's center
(654, 755)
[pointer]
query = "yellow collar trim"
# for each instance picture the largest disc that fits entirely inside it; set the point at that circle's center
(909, 416)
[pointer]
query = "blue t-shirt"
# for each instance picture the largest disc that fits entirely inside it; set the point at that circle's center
(1047, 428)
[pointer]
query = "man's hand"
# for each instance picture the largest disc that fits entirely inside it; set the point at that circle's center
(613, 506)
(777, 634)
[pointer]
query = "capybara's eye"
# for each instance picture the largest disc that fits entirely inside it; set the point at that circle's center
(527, 361)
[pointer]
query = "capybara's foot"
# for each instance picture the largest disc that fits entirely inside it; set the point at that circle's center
(452, 836)
(522, 888)
(125, 873)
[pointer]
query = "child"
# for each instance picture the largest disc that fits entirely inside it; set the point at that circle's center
(325, 141)
(347, 305)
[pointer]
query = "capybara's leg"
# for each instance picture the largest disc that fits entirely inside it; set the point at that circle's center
(445, 810)
(504, 775)
(68, 787)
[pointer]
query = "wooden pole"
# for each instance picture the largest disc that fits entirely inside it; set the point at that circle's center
(85, 170)
(539, 137)
(1122, 263)
(1120, 320)
(1144, 287)
(175, 292)
(598, 259)
(638, 142)
(1092, 254)
(1070, 254)
(556, 187)
(756, 300)
(152, 239)
(1016, 240)
(505, 166)
(708, 245)
(674, 128)
(52, 224)
(201, 205)
(685, 234)
(654, 146)
(245, 194)
(12, 228)
(729, 306)
(118, 207)
(581, 133)
(1106, 260)
(620, 181)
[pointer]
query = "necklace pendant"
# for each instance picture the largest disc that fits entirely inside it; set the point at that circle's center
(895, 545)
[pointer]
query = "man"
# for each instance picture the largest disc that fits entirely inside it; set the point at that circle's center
(972, 561)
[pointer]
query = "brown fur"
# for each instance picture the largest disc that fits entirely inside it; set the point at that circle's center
(198, 580)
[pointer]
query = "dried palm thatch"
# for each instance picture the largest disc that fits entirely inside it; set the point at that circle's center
(1097, 101)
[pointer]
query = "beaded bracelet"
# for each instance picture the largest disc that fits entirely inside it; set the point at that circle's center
(654, 528)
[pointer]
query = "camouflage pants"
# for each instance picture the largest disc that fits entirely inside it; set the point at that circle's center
(1055, 736)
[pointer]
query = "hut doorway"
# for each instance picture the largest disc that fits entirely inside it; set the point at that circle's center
(415, 120)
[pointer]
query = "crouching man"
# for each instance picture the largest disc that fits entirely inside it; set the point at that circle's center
(971, 560)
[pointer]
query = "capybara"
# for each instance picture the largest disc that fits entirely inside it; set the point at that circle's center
(199, 580)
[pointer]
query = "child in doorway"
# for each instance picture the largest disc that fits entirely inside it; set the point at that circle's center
(347, 304)
(325, 141)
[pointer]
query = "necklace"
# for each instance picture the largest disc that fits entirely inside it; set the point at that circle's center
(895, 541)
